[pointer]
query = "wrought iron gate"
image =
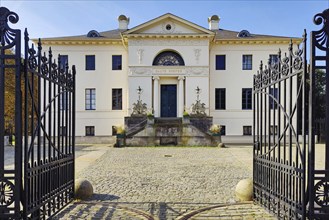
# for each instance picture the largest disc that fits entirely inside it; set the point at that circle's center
(279, 152)
(318, 176)
(287, 180)
(42, 180)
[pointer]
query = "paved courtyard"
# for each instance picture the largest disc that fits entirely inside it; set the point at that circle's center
(164, 183)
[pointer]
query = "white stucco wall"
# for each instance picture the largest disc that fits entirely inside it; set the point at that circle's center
(191, 84)
(103, 79)
(186, 48)
(233, 79)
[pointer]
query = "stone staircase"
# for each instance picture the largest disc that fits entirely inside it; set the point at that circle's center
(170, 131)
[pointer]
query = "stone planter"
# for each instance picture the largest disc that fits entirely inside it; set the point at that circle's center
(216, 139)
(150, 120)
(215, 134)
(186, 120)
(121, 139)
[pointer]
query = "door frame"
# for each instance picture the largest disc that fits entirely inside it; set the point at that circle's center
(176, 99)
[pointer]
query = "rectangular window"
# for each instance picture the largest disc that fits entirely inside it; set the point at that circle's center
(114, 131)
(247, 62)
(273, 131)
(223, 130)
(116, 62)
(90, 130)
(220, 62)
(116, 99)
(90, 62)
(246, 99)
(273, 101)
(62, 131)
(273, 58)
(220, 99)
(63, 59)
(63, 101)
(90, 99)
(247, 130)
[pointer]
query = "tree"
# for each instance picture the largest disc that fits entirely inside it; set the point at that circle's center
(320, 94)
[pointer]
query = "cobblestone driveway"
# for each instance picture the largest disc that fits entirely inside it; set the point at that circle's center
(166, 183)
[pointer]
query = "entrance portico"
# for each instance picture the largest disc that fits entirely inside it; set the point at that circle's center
(152, 79)
(168, 96)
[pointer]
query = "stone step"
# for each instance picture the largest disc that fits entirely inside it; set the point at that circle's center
(168, 121)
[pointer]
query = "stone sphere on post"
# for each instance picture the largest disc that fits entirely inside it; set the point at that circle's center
(83, 189)
(244, 190)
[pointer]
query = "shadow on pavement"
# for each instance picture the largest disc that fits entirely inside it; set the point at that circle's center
(162, 211)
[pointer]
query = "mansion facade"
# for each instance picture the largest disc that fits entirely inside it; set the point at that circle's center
(164, 62)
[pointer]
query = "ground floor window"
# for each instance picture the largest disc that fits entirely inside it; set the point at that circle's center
(90, 130)
(114, 131)
(273, 130)
(223, 130)
(246, 98)
(90, 99)
(116, 99)
(62, 131)
(220, 98)
(247, 130)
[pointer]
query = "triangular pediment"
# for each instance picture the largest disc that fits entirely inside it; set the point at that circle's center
(168, 24)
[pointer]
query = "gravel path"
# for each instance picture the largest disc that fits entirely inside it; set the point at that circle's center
(166, 183)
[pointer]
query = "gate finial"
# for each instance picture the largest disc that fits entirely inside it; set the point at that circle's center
(6, 15)
(7, 34)
(322, 36)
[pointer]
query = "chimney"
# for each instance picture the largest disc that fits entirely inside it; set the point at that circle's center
(123, 22)
(213, 22)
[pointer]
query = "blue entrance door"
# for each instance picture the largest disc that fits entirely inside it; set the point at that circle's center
(168, 100)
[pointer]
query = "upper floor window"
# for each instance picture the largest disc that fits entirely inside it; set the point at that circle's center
(220, 62)
(168, 58)
(116, 99)
(116, 62)
(90, 62)
(220, 99)
(63, 60)
(273, 58)
(63, 101)
(247, 62)
(247, 98)
(90, 99)
(273, 98)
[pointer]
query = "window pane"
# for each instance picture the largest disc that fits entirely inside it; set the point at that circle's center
(247, 98)
(90, 130)
(90, 99)
(223, 130)
(220, 99)
(63, 59)
(247, 62)
(273, 58)
(247, 130)
(273, 102)
(63, 101)
(90, 62)
(116, 62)
(220, 62)
(116, 99)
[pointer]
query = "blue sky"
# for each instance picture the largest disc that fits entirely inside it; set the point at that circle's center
(66, 18)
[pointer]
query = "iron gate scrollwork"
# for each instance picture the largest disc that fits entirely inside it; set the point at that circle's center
(42, 181)
(10, 73)
(280, 145)
(291, 172)
(319, 175)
